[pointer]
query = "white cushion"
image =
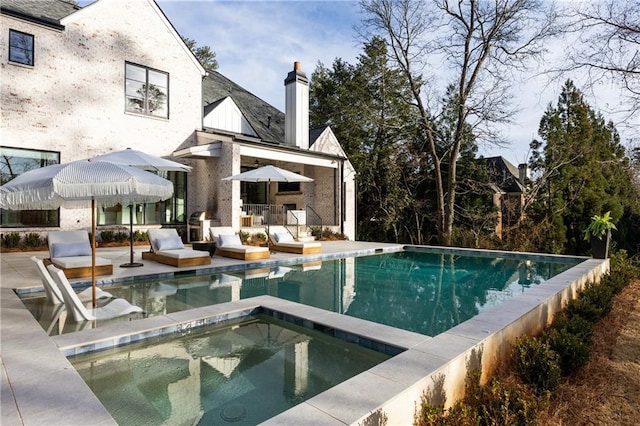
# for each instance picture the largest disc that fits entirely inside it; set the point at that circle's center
(155, 234)
(79, 262)
(300, 244)
(184, 253)
(282, 237)
(71, 249)
(216, 231)
(170, 243)
(244, 249)
(229, 240)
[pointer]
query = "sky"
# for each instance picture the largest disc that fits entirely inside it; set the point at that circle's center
(257, 42)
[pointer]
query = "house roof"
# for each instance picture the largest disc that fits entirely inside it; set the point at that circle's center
(504, 174)
(266, 120)
(314, 134)
(46, 12)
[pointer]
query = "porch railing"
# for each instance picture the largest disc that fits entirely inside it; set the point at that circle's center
(256, 215)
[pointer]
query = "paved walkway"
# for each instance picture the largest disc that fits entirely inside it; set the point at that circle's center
(39, 385)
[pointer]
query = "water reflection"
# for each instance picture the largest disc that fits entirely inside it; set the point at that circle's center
(423, 292)
(242, 372)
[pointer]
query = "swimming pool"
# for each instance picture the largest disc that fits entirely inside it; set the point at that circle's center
(427, 292)
(242, 371)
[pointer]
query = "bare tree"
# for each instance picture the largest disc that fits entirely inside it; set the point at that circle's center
(608, 47)
(479, 46)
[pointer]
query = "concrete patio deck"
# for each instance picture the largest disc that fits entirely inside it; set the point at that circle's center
(39, 385)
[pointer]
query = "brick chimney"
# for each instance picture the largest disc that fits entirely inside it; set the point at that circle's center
(524, 174)
(296, 129)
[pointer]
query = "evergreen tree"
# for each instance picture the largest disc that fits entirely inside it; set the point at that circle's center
(203, 54)
(583, 171)
(364, 106)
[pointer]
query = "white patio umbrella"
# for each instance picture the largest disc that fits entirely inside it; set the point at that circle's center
(140, 160)
(83, 184)
(269, 174)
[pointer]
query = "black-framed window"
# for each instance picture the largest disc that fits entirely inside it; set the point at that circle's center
(14, 162)
(171, 211)
(252, 192)
(21, 47)
(146, 90)
(288, 186)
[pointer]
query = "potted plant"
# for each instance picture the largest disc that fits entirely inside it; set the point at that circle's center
(599, 233)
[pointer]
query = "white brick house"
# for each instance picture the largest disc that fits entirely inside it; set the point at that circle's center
(79, 82)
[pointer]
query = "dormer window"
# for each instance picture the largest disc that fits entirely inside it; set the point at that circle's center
(20, 47)
(146, 91)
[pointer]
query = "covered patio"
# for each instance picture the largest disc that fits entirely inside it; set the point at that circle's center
(252, 206)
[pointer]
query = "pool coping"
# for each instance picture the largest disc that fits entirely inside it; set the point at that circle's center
(435, 365)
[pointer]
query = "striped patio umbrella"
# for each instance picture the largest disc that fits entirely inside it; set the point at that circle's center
(83, 184)
(140, 160)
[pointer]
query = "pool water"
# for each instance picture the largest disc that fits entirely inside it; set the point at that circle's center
(239, 372)
(418, 291)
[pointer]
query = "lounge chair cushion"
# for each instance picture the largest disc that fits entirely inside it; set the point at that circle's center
(184, 253)
(301, 245)
(229, 240)
(283, 237)
(244, 249)
(216, 231)
(79, 261)
(170, 243)
(71, 249)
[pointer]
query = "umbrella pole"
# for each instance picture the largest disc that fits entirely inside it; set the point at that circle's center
(93, 251)
(131, 263)
(268, 215)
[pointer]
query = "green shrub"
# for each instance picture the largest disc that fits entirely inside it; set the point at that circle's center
(502, 401)
(460, 414)
(33, 239)
(327, 234)
(600, 295)
(536, 364)
(121, 237)
(617, 281)
(107, 236)
(10, 240)
(260, 236)
(244, 236)
(619, 262)
(572, 350)
(584, 309)
(574, 324)
(140, 236)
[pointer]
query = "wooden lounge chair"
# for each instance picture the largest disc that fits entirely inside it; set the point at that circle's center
(228, 244)
(53, 292)
(113, 309)
(71, 252)
(282, 240)
(167, 248)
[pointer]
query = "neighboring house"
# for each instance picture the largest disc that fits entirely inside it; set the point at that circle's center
(79, 82)
(509, 183)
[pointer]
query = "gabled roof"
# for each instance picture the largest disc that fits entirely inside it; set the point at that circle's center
(504, 174)
(48, 12)
(266, 120)
(314, 134)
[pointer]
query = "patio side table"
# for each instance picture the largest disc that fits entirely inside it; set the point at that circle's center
(209, 246)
